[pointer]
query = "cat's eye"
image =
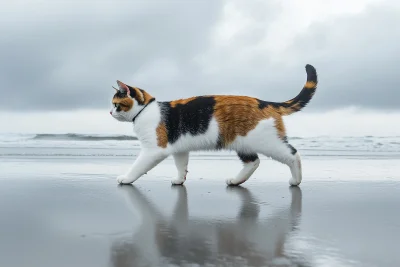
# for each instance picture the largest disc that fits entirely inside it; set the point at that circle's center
(119, 106)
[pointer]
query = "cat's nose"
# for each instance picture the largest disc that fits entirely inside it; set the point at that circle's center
(110, 112)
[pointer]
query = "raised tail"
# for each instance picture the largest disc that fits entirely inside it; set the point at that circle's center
(303, 98)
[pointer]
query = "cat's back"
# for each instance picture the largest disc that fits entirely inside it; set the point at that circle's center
(213, 101)
(224, 108)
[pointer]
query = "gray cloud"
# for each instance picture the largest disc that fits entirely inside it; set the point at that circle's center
(65, 55)
(357, 58)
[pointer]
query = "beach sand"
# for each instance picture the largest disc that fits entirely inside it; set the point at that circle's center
(69, 211)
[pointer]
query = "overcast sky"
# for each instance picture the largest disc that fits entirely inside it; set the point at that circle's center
(60, 58)
(65, 55)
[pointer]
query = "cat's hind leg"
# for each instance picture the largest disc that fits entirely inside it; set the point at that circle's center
(181, 162)
(250, 164)
(285, 153)
(293, 160)
(295, 169)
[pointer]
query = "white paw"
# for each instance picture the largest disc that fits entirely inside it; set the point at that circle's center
(123, 179)
(230, 182)
(293, 182)
(178, 181)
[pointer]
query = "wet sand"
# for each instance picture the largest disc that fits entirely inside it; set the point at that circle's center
(70, 212)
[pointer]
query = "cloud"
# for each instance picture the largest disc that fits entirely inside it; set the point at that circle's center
(64, 55)
(357, 58)
(67, 54)
(355, 54)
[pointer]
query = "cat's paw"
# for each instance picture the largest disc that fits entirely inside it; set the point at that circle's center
(293, 182)
(123, 179)
(178, 181)
(231, 182)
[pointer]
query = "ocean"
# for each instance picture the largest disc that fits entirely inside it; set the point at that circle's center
(89, 145)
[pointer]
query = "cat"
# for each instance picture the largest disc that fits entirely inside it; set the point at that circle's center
(244, 124)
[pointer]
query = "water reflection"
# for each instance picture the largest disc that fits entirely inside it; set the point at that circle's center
(180, 240)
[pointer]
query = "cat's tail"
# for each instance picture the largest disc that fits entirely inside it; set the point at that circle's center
(303, 98)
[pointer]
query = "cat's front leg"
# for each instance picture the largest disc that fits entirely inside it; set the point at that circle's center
(147, 159)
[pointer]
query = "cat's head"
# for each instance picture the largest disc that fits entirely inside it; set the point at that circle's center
(128, 101)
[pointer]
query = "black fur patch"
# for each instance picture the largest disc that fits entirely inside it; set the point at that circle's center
(263, 104)
(119, 94)
(247, 157)
(303, 98)
(220, 142)
(311, 73)
(293, 150)
(193, 117)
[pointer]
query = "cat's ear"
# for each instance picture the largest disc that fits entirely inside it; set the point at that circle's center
(123, 88)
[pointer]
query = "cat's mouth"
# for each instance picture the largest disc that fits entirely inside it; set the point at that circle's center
(117, 116)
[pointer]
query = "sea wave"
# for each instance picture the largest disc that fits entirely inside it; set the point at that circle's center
(121, 142)
(82, 137)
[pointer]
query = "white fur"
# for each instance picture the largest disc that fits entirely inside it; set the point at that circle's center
(181, 162)
(188, 142)
(295, 169)
(264, 139)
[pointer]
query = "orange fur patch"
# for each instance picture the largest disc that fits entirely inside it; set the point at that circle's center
(238, 115)
(162, 137)
(126, 103)
(288, 110)
(142, 96)
(138, 95)
(280, 127)
(310, 85)
(147, 97)
(181, 101)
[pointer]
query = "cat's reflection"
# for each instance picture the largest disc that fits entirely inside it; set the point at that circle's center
(183, 241)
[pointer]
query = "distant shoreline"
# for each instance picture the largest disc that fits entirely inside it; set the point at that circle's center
(83, 137)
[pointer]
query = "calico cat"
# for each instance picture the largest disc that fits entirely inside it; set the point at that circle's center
(244, 124)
